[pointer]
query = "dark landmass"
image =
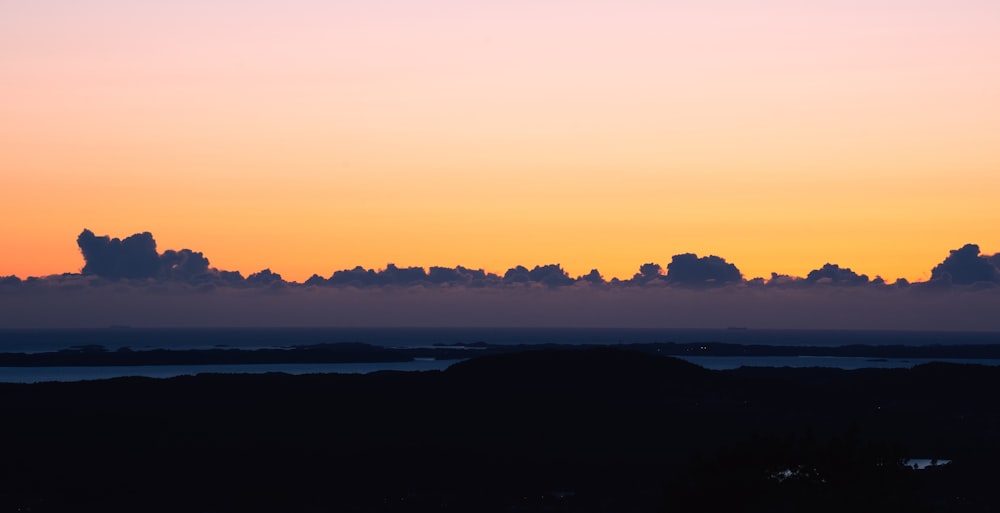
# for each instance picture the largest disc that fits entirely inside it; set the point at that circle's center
(355, 352)
(568, 429)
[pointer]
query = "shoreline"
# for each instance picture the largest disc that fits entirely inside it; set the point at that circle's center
(95, 355)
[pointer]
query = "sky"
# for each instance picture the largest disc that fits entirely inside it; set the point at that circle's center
(310, 136)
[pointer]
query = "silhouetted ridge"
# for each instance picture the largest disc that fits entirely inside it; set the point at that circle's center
(583, 367)
(553, 430)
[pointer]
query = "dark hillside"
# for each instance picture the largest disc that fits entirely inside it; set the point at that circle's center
(555, 430)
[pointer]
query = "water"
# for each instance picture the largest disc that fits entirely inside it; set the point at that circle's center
(33, 341)
(255, 338)
(924, 463)
(41, 374)
(836, 362)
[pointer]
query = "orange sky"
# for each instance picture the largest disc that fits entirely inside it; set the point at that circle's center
(308, 137)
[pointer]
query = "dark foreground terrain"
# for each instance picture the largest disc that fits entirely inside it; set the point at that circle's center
(593, 429)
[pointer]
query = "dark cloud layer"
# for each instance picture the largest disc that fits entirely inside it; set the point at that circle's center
(135, 257)
(82, 301)
(126, 281)
(10, 280)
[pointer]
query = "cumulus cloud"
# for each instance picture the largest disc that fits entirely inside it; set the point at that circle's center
(461, 276)
(10, 280)
(647, 273)
(264, 277)
(184, 265)
(550, 274)
(393, 275)
(783, 280)
(690, 271)
(833, 274)
(134, 257)
(519, 274)
(315, 279)
(358, 277)
(965, 266)
(593, 277)
(440, 275)
(120, 285)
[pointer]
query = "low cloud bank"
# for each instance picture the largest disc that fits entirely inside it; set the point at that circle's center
(128, 282)
(88, 302)
(136, 258)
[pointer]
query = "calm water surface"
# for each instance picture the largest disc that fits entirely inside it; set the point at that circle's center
(836, 362)
(40, 374)
(246, 338)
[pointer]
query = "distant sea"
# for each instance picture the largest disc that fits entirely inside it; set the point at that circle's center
(36, 341)
(44, 340)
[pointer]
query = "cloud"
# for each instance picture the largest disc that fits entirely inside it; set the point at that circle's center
(550, 274)
(690, 271)
(783, 280)
(965, 266)
(593, 277)
(461, 276)
(264, 277)
(120, 286)
(393, 275)
(833, 274)
(440, 275)
(358, 277)
(184, 265)
(315, 279)
(648, 272)
(519, 274)
(88, 301)
(134, 257)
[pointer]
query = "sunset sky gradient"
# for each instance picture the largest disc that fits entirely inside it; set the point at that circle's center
(311, 136)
